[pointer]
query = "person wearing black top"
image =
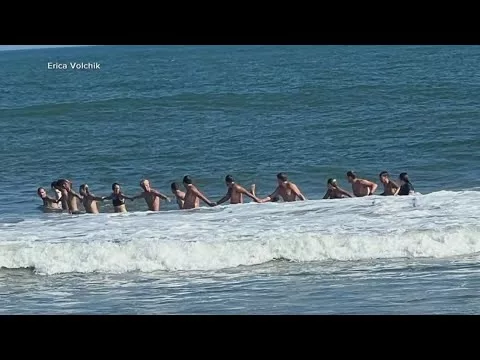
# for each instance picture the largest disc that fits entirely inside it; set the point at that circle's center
(406, 187)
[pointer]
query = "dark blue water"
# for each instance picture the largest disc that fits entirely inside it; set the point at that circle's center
(314, 112)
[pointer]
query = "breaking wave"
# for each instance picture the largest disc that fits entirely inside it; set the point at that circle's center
(437, 225)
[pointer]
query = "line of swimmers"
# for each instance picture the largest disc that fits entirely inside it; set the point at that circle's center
(66, 199)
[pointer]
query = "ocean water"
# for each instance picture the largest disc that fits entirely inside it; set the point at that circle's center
(314, 112)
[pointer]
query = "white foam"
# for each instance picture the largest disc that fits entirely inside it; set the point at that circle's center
(441, 224)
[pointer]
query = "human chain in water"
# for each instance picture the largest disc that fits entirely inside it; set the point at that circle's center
(66, 199)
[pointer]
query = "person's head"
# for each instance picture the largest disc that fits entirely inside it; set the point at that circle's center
(229, 180)
(54, 185)
(175, 187)
(351, 176)
(116, 188)
(64, 184)
(42, 192)
(83, 189)
(384, 177)
(404, 178)
(145, 185)
(187, 180)
(282, 179)
(332, 183)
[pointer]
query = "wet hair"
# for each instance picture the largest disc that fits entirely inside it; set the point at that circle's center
(174, 186)
(282, 176)
(83, 187)
(351, 174)
(229, 179)
(41, 188)
(54, 184)
(404, 177)
(331, 181)
(383, 173)
(115, 184)
(62, 182)
(187, 179)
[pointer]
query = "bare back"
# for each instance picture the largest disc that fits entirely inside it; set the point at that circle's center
(90, 205)
(191, 200)
(360, 189)
(152, 200)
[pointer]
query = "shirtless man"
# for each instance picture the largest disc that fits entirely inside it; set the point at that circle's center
(193, 196)
(361, 187)
(152, 197)
(49, 204)
(286, 189)
(334, 191)
(179, 195)
(69, 197)
(89, 201)
(389, 186)
(235, 192)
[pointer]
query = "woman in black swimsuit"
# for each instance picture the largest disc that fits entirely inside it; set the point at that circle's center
(118, 198)
(406, 187)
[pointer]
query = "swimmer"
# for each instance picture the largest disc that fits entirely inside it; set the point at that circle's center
(152, 197)
(286, 189)
(118, 199)
(179, 195)
(235, 192)
(193, 196)
(361, 187)
(69, 197)
(58, 193)
(89, 201)
(389, 186)
(49, 204)
(334, 191)
(406, 187)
